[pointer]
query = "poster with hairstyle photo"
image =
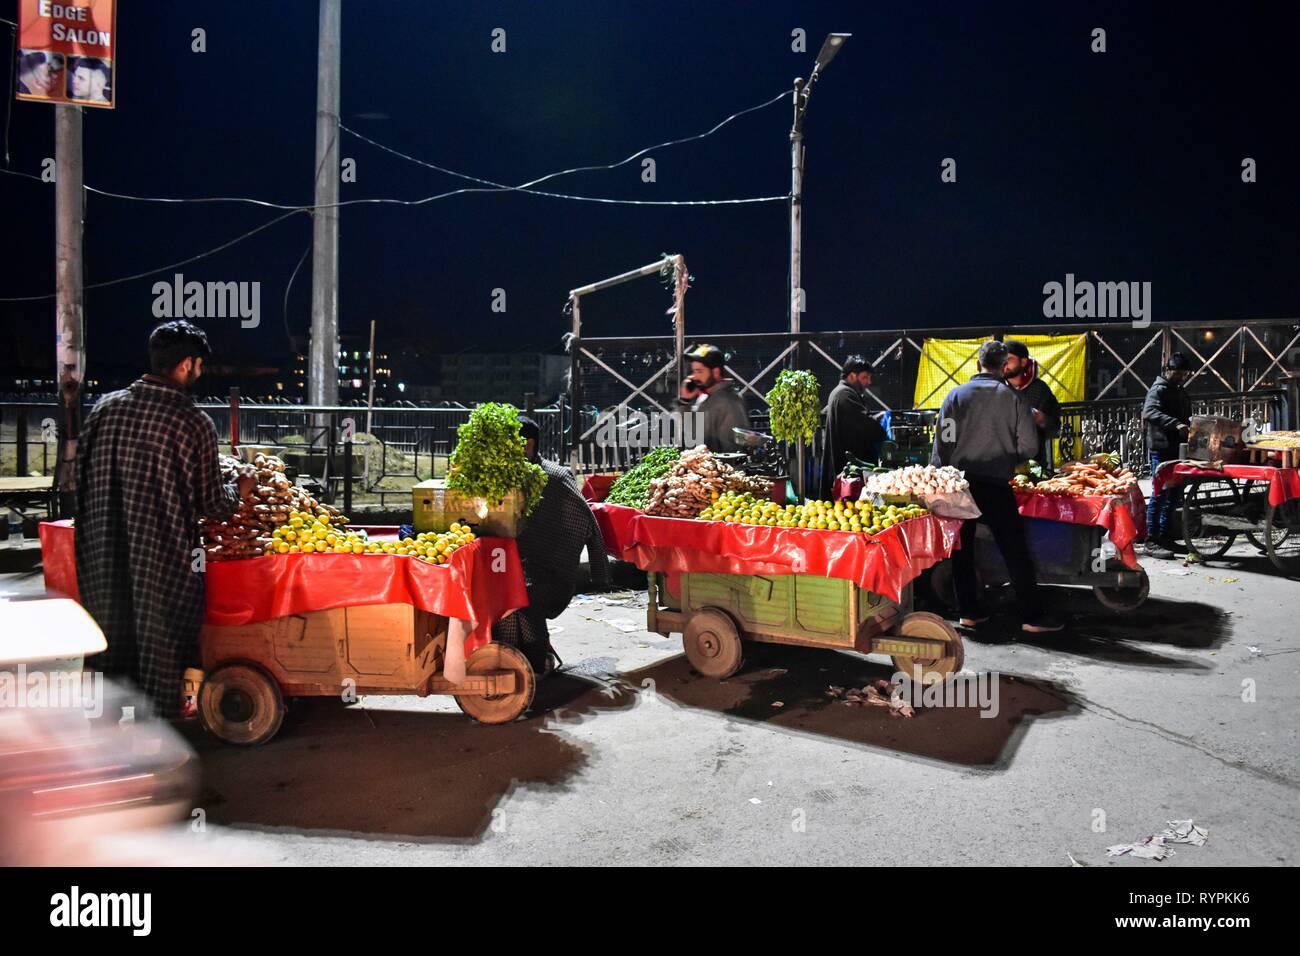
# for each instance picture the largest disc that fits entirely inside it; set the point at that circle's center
(40, 75)
(90, 81)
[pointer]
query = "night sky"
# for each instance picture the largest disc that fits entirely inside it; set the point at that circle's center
(1117, 166)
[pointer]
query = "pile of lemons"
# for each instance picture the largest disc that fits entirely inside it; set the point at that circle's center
(306, 533)
(431, 546)
(823, 515)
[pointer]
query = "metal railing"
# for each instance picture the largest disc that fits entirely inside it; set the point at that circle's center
(392, 447)
(1089, 428)
(1229, 359)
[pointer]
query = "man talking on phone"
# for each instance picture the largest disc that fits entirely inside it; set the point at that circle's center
(714, 398)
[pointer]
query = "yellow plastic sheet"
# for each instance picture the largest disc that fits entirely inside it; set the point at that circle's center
(946, 363)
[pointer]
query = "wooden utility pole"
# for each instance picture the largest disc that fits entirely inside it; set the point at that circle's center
(69, 312)
(323, 362)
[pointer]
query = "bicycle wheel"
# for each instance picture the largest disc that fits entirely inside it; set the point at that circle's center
(1282, 535)
(1204, 501)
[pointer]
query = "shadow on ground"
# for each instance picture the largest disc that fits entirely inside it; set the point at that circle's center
(1106, 636)
(785, 688)
(390, 773)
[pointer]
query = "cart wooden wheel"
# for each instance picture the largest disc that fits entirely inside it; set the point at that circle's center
(931, 627)
(241, 704)
(1206, 499)
(1282, 535)
(1121, 600)
(712, 643)
(499, 708)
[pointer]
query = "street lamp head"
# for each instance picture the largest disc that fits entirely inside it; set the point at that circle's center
(830, 47)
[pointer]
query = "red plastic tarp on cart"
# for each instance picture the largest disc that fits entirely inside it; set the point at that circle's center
(480, 584)
(1123, 516)
(615, 523)
(596, 487)
(1283, 483)
(883, 563)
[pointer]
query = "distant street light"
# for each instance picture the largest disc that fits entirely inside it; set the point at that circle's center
(829, 48)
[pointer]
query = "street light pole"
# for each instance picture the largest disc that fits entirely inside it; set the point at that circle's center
(796, 207)
(796, 252)
(802, 92)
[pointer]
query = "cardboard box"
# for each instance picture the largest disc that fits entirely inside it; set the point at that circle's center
(435, 508)
(1215, 439)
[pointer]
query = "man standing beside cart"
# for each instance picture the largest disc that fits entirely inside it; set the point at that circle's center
(550, 548)
(714, 398)
(851, 429)
(1021, 374)
(986, 429)
(1167, 414)
(147, 471)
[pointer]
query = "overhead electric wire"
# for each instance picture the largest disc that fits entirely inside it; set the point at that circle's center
(526, 187)
(183, 262)
(487, 186)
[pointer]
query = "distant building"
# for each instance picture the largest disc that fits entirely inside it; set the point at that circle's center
(354, 372)
(473, 377)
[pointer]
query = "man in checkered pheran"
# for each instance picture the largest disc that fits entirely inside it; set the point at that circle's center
(147, 470)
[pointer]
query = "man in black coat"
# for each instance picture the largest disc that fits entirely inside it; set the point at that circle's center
(851, 429)
(1021, 373)
(1166, 415)
(550, 547)
(985, 429)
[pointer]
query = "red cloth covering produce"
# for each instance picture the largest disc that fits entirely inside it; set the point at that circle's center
(481, 583)
(1283, 483)
(1123, 516)
(615, 523)
(883, 563)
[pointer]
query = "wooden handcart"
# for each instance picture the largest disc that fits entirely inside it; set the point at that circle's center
(251, 670)
(715, 613)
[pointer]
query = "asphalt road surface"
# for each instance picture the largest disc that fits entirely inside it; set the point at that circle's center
(1185, 708)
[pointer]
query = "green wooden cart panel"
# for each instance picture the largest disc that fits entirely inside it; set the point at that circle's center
(821, 605)
(756, 600)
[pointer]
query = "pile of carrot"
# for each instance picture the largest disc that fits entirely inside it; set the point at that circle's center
(1081, 478)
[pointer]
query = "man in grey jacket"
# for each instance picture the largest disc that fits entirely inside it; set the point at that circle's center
(985, 428)
(714, 399)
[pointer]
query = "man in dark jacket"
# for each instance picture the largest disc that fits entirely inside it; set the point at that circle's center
(714, 399)
(1021, 374)
(851, 431)
(550, 547)
(986, 429)
(1166, 415)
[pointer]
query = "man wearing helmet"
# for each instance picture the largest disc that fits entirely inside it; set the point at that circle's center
(714, 398)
